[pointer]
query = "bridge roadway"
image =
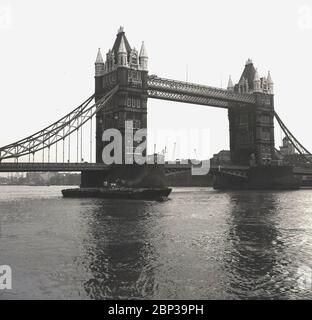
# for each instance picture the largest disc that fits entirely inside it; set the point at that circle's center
(51, 167)
(75, 167)
(85, 166)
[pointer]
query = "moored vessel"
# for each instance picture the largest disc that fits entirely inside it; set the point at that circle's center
(118, 193)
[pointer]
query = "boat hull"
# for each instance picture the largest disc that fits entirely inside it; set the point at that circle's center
(122, 193)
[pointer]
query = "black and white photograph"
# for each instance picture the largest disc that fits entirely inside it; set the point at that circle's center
(155, 151)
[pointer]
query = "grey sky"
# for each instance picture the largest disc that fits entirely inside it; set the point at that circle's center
(48, 50)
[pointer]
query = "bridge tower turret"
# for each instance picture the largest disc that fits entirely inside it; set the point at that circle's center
(125, 68)
(252, 126)
(256, 82)
(270, 83)
(230, 85)
(143, 57)
(122, 54)
(99, 64)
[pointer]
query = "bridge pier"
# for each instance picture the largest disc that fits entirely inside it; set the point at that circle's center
(259, 177)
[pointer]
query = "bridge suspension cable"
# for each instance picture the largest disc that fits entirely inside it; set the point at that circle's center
(297, 145)
(57, 131)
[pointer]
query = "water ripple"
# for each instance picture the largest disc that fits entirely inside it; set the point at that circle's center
(200, 244)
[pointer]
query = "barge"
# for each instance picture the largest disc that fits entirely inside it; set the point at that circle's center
(118, 193)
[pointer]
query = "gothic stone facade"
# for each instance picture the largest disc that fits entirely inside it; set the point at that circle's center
(252, 126)
(125, 67)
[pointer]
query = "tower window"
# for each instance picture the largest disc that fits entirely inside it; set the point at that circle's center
(133, 102)
(129, 102)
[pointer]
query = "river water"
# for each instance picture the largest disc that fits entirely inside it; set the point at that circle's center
(200, 244)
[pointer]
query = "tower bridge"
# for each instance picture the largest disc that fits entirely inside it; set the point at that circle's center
(122, 89)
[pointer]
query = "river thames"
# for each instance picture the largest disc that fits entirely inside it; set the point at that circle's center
(200, 244)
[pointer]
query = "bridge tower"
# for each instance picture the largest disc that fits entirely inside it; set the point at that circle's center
(128, 68)
(252, 126)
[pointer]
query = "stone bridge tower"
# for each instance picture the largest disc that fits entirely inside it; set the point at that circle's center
(128, 68)
(252, 126)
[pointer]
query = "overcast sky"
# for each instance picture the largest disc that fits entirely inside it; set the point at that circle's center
(48, 49)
